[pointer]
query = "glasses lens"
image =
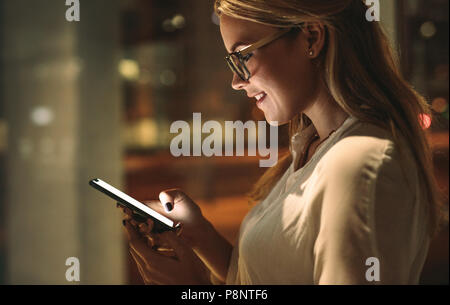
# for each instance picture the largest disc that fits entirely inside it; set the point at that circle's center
(237, 66)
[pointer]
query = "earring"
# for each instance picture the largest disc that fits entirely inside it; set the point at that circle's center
(311, 53)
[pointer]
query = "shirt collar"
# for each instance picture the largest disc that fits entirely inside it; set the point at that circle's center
(300, 138)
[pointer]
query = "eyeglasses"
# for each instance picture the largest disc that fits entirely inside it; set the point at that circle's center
(236, 60)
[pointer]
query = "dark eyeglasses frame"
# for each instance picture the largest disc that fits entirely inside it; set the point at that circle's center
(244, 55)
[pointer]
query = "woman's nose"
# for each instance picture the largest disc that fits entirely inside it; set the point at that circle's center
(237, 83)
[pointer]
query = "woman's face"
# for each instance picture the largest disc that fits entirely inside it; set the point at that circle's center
(282, 69)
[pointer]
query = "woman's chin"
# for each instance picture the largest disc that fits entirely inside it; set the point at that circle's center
(273, 123)
(275, 120)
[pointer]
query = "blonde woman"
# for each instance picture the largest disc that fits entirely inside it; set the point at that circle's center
(354, 201)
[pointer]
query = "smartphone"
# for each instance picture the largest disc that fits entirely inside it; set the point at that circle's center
(143, 212)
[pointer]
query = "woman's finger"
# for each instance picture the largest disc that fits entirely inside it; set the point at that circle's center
(135, 239)
(139, 218)
(139, 245)
(150, 225)
(174, 242)
(156, 206)
(171, 197)
(133, 222)
(138, 262)
(180, 208)
(150, 276)
(150, 242)
(153, 204)
(159, 241)
(168, 199)
(138, 259)
(144, 228)
(125, 209)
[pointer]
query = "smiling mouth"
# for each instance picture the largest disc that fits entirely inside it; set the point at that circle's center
(260, 96)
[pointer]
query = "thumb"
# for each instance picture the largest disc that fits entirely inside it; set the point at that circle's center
(155, 205)
(172, 197)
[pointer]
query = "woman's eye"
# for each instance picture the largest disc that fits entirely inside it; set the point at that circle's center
(247, 57)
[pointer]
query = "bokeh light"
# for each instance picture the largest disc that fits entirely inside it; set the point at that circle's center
(439, 105)
(425, 120)
(42, 115)
(129, 69)
(428, 29)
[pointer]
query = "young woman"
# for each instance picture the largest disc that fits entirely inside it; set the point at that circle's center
(354, 201)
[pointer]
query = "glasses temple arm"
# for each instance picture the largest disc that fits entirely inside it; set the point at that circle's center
(263, 42)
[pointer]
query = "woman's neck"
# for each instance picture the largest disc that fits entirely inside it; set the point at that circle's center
(326, 115)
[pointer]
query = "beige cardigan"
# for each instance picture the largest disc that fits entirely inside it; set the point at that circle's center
(324, 223)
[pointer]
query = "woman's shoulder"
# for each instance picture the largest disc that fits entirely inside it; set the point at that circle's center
(368, 174)
(369, 203)
(370, 152)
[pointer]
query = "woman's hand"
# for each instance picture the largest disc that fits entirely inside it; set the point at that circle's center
(196, 231)
(184, 268)
(177, 206)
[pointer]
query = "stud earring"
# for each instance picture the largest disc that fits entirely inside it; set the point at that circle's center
(311, 53)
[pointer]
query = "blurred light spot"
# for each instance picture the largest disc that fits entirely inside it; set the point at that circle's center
(41, 115)
(425, 120)
(428, 29)
(143, 133)
(129, 69)
(178, 21)
(215, 19)
(168, 78)
(439, 104)
(147, 133)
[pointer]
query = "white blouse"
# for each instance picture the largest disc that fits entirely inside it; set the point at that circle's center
(350, 215)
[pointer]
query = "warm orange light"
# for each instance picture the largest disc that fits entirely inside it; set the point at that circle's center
(425, 120)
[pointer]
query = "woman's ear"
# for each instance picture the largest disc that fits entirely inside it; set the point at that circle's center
(315, 35)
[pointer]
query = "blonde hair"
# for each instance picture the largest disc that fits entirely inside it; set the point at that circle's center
(361, 75)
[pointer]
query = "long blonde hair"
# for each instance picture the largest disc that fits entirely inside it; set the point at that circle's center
(361, 75)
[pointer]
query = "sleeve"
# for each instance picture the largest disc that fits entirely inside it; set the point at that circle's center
(364, 233)
(233, 274)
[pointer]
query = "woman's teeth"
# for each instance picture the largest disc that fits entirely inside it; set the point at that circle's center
(260, 96)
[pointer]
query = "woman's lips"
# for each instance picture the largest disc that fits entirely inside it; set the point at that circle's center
(260, 99)
(259, 96)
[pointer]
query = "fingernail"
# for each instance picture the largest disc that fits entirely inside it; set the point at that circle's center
(168, 206)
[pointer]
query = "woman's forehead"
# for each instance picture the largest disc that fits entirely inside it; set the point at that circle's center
(236, 30)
